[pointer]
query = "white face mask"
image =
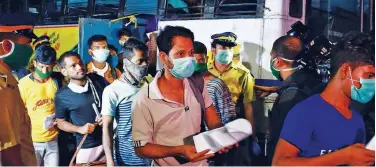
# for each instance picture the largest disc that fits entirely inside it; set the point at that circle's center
(121, 42)
(101, 55)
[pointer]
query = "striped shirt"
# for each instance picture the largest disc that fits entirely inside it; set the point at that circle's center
(221, 96)
(117, 102)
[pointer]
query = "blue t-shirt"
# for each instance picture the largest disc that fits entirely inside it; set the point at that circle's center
(316, 128)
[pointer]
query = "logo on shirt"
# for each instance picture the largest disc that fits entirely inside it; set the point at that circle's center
(43, 102)
(323, 152)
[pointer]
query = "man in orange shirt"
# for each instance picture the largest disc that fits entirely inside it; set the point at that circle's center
(98, 49)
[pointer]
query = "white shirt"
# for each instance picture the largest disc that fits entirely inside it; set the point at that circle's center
(77, 88)
(101, 71)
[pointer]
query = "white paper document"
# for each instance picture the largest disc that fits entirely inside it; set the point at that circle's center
(49, 121)
(371, 144)
(219, 138)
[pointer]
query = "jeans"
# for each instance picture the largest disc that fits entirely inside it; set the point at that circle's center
(47, 153)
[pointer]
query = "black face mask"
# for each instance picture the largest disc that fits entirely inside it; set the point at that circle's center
(134, 73)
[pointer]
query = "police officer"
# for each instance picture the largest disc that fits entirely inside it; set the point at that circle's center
(297, 84)
(16, 146)
(240, 82)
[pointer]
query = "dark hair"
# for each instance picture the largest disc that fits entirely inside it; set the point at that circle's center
(124, 32)
(96, 38)
(355, 48)
(112, 47)
(131, 45)
(287, 47)
(61, 60)
(38, 42)
(200, 48)
(45, 55)
(164, 39)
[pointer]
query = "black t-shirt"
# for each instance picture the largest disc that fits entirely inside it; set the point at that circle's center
(77, 108)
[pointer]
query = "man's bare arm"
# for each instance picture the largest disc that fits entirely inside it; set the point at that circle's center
(212, 118)
(107, 138)
(156, 151)
(286, 154)
(69, 127)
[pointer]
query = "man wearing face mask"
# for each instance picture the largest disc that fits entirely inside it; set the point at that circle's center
(38, 92)
(173, 107)
(16, 146)
(98, 49)
(297, 84)
(117, 100)
(240, 82)
(323, 130)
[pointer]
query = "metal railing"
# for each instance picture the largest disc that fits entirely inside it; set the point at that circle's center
(213, 11)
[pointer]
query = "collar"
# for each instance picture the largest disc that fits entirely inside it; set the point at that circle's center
(77, 88)
(153, 89)
(91, 67)
(214, 71)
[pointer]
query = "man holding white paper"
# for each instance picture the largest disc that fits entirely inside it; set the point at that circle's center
(38, 93)
(172, 108)
(323, 130)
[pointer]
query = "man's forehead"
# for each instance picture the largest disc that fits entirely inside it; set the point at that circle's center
(182, 43)
(71, 60)
(99, 43)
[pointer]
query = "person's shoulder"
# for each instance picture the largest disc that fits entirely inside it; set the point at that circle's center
(25, 80)
(63, 91)
(307, 104)
(242, 70)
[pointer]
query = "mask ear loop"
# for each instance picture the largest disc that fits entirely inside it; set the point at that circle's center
(289, 69)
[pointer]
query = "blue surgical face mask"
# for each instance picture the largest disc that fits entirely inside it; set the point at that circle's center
(224, 56)
(183, 67)
(365, 93)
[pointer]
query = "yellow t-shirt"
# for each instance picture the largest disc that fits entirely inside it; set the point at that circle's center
(14, 123)
(239, 81)
(39, 101)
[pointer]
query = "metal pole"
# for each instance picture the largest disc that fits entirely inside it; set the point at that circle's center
(26, 6)
(361, 15)
(121, 8)
(371, 22)
(90, 8)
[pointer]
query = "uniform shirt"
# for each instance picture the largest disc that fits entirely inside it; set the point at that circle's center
(106, 72)
(316, 128)
(39, 101)
(15, 122)
(240, 82)
(222, 102)
(158, 120)
(117, 100)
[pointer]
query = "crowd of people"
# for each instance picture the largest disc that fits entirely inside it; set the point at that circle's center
(112, 110)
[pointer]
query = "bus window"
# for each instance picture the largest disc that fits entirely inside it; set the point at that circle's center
(335, 18)
(296, 8)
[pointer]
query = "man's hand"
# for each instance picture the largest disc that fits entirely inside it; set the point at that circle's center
(99, 121)
(226, 149)
(264, 91)
(86, 129)
(357, 155)
(189, 152)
